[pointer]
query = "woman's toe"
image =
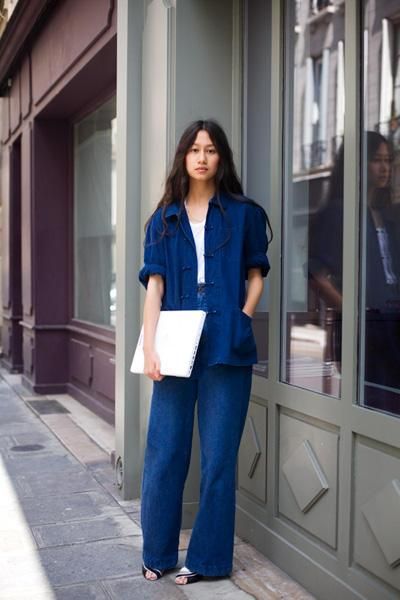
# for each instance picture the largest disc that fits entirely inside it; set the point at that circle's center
(150, 575)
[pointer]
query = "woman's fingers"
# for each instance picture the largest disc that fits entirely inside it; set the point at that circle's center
(152, 369)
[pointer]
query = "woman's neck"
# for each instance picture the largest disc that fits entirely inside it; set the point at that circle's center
(200, 192)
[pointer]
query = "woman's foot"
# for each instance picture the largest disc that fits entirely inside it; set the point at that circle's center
(186, 576)
(150, 573)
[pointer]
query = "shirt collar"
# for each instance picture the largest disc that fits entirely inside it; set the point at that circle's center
(174, 208)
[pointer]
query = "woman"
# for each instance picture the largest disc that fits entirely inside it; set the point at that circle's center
(382, 270)
(382, 284)
(202, 242)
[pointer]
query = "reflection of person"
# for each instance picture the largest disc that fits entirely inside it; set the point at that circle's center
(325, 255)
(382, 277)
(202, 242)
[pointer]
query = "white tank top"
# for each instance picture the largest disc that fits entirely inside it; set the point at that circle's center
(198, 235)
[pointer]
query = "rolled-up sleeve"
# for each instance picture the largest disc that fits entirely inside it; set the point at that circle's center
(154, 251)
(256, 241)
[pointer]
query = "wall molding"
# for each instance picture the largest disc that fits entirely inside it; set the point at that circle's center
(171, 79)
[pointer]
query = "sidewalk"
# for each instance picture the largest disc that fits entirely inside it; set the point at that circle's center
(64, 531)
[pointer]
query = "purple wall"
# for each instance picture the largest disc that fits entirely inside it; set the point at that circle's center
(68, 67)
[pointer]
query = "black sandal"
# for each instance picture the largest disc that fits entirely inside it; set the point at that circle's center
(156, 572)
(191, 576)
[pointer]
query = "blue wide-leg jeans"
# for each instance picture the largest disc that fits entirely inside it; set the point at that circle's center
(222, 394)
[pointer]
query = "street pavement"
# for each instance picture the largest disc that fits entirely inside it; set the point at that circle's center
(66, 534)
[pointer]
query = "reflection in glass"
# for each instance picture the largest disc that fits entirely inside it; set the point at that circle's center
(312, 284)
(95, 216)
(380, 251)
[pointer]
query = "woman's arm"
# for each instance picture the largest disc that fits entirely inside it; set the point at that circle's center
(323, 285)
(255, 288)
(151, 313)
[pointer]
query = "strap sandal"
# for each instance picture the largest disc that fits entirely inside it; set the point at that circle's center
(191, 576)
(156, 572)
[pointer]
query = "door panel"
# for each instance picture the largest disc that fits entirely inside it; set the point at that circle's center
(253, 453)
(308, 469)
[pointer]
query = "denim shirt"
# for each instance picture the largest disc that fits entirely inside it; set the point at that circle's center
(235, 241)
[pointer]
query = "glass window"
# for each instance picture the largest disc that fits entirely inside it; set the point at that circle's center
(380, 210)
(95, 216)
(313, 195)
(256, 158)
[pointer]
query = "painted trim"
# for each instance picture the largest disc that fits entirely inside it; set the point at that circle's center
(23, 20)
(83, 53)
(237, 82)
(171, 80)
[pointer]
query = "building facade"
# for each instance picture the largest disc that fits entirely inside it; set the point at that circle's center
(96, 95)
(59, 239)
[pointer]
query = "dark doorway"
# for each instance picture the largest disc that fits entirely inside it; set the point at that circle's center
(12, 309)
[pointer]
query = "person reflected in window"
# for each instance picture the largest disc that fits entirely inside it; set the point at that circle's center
(325, 260)
(382, 270)
(382, 279)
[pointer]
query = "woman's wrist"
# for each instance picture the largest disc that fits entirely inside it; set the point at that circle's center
(248, 311)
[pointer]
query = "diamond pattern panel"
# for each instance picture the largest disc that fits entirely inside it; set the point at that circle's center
(305, 476)
(382, 513)
(252, 454)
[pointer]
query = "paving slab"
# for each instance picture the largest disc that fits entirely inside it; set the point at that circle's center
(89, 591)
(137, 588)
(214, 588)
(22, 391)
(253, 572)
(75, 439)
(11, 417)
(91, 561)
(55, 461)
(19, 427)
(5, 442)
(69, 507)
(104, 474)
(37, 437)
(73, 479)
(98, 430)
(99, 528)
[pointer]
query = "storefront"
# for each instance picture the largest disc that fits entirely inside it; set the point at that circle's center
(319, 472)
(309, 94)
(58, 70)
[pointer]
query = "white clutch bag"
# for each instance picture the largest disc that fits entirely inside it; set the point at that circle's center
(177, 338)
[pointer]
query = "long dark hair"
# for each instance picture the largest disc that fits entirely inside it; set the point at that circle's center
(226, 179)
(372, 140)
(382, 197)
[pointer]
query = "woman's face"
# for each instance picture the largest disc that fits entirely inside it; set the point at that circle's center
(202, 158)
(379, 167)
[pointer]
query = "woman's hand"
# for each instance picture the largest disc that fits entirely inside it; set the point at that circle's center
(255, 288)
(152, 365)
(151, 313)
